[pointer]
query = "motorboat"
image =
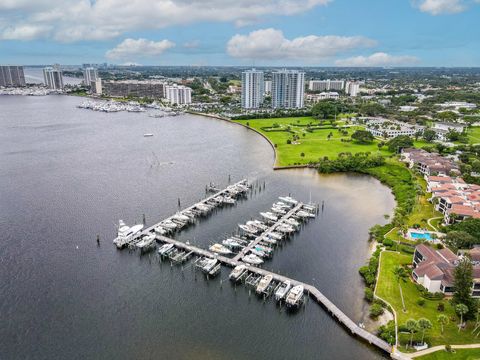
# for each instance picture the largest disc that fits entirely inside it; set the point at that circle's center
(160, 230)
(248, 229)
(209, 265)
(181, 217)
(288, 200)
(292, 222)
(220, 249)
(168, 224)
(252, 259)
(147, 135)
(125, 234)
(269, 216)
(282, 205)
(165, 249)
(282, 290)
(295, 296)
(278, 210)
(264, 283)
(305, 214)
(146, 242)
(232, 244)
(258, 252)
(237, 272)
(284, 228)
(257, 224)
(270, 241)
(275, 235)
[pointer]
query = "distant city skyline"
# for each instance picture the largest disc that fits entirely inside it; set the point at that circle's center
(271, 33)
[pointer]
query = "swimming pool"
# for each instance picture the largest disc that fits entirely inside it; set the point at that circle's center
(423, 236)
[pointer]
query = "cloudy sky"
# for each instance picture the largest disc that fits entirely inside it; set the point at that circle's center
(242, 32)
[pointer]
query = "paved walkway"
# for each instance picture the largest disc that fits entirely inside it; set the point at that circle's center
(430, 224)
(441, 347)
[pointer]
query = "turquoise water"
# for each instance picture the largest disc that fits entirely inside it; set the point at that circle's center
(424, 236)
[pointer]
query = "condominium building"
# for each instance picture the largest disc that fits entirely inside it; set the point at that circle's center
(253, 89)
(89, 74)
(178, 94)
(136, 88)
(12, 76)
(387, 128)
(325, 85)
(352, 88)
(96, 86)
(268, 87)
(288, 89)
(53, 78)
(429, 163)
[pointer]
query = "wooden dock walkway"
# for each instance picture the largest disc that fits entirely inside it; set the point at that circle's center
(262, 236)
(311, 290)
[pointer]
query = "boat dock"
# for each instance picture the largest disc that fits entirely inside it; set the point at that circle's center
(310, 290)
(263, 235)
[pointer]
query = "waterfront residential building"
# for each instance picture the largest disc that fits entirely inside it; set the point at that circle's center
(12, 76)
(352, 88)
(325, 85)
(96, 86)
(135, 88)
(253, 89)
(288, 89)
(178, 94)
(53, 77)
(434, 269)
(89, 74)
(429, 163)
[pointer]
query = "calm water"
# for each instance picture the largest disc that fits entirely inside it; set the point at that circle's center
(68, 174)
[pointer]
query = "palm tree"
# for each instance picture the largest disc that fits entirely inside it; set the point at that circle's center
(442, 320)
(400, 275)
(412, 327)
(424, 325)
(461, 310)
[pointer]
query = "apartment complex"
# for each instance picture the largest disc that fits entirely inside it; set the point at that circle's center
(322, 96)
(12, 76)
(352, 88)
(429, 163)
(96, 86)
(443, 128)
(389, 128)
(53, 78)
(325, 85)
(288, 89)
(434, 269)
(178, 94)
(89, 74)
(253, 89)
(268, 87)
(136, 88)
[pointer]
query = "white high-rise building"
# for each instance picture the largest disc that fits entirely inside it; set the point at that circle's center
(325, 85)
(96, 86)
(288, 87)
(89, 74)
(53, 78)
(268, 87)
(352, 88)
(253, 89)
(12, 76)
(178, 94)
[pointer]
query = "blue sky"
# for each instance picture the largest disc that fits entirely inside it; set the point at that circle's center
(242, 32)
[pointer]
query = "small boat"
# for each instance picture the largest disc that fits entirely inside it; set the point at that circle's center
(209, 265)
(248, 229)
(281, 205)
(257, 224)
(284, 228)
(165, 249)
(237, 272)
(270, 241)
(168, 224)
(181, 217)
(126, 234)
(292, 222)
(275, 235)
(264, 283)
(220, 249)
(295, 296)
(288, 200)
(146, 242)
(278, 210)
(252, 259)
(147, 135)
(160, 230)
(258, 252)
(311, 208)
(269, 216)
(229, 200)
(305, 214)
(282, 290)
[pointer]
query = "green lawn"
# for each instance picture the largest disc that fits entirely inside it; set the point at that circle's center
(387, 289)
(460, 354)
(474, 135)
(314, 145)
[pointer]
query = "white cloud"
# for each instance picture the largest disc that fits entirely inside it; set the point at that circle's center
(378, 59)
(25, 32)
(191, 44)
(74, 20)
(271, 44)
(438, 7)
(138, 48)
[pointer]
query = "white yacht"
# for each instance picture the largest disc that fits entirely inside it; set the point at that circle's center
(264, 283)
(284, 228)
(282, 290)
(229, 200)
(165, 249)
(160, 230)
(169, 224)
(294, 297)
(248, 229)
(232, 244)
(275, 235)
(258, 252)
(237, 272)
(278, 210)
(209, 264)
(305, 214)
(292, 222)
(252, 259)
(269, 216)
(220, 249)
(126, 234)
(257, 224)
(288, 200)
(181, 217)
